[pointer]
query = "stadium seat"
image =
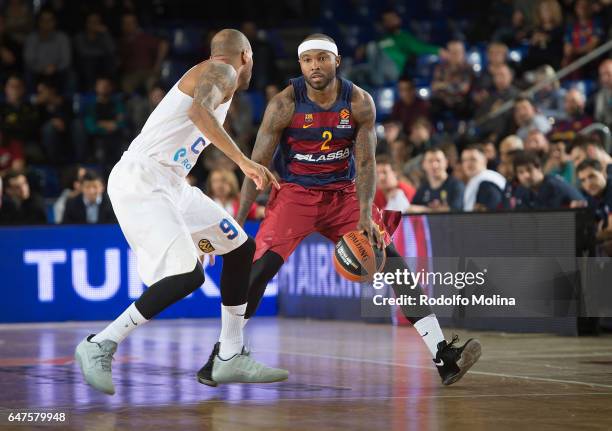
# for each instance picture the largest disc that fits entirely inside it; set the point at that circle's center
(384, 98)
(258, 102)
(185, 41)
(172, 71)
(425, 65)
(585, 86)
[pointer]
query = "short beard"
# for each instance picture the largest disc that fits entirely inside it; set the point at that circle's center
(322, 85)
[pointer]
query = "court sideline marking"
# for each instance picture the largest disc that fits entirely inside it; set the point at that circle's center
(397, 364)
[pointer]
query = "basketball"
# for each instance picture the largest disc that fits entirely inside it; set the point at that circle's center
(355, 259)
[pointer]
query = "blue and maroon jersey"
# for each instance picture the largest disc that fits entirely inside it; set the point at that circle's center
(316, 149)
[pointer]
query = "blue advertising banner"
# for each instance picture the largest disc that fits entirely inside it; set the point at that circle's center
(58, 273)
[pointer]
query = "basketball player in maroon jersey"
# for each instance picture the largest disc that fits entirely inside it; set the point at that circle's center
(325, 126)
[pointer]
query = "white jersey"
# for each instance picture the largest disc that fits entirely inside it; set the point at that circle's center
(170, 137)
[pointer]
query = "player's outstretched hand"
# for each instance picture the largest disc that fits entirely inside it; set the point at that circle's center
(258, 173)
(371, 230)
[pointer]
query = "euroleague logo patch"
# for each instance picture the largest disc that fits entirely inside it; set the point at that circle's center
(345, 119)
(206, 246)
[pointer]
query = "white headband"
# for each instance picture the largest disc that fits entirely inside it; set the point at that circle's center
(320, 44)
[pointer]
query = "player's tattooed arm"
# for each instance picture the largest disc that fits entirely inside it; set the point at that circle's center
(276, 118)
(216, 84)
(364, 112)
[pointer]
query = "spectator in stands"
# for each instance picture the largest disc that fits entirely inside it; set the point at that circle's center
(92, 205)
(265, 69)
(540, 191)
(508, 146)
(582, 36)
(497, 55)
(419, 137)
(141, 55)
(270, 91)
(222, 187)
(239, 122)
(10, 54)
(391, 193)
(47, 52)
(484, 188)
(19, 19)
(598, 188)
(504, 91)
(11, 155)
(73, 178)
(398, 151)
(559, 162)
(18, 118)
(509, 200)
(94, 52)
(392, 131)
(105, 123)
(527, 118)
(517, 32)
(139, 108)
(19, 205)
(550, 99)
(546, 41)
(55, 115)
(451, 83)
(576, 117)
(408, 107)
(386, 59)
(537, 142)
(490, 151)
(603, 98)
(438, 192)
(585, 147)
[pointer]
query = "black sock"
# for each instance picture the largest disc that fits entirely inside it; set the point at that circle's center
(394, 262)
(264, 270)
(169, 290)
(236, 273)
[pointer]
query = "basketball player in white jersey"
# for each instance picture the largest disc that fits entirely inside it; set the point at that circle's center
(170, 225)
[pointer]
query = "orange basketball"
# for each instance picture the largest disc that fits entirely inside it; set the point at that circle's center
(355, 259)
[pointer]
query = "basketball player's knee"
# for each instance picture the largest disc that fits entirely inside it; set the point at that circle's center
(242, 254)
(169, 290)
(196, 277)
(265, 268)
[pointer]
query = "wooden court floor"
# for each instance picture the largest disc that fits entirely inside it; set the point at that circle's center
(344, 376)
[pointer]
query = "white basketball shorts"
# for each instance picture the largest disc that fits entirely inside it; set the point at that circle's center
(167, 223)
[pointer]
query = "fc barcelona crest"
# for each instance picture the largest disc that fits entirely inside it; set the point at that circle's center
(308, 118)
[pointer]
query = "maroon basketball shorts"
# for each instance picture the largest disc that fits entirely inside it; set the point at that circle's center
(294, 212)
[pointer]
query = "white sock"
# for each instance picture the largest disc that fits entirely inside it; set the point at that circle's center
(429, 329)
(129, 320)
(231, 330)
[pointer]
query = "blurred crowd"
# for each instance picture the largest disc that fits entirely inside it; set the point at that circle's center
(460, 125)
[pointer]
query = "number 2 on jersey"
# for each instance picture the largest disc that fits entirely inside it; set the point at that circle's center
(327, 135)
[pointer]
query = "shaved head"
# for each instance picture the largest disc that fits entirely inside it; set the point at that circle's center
(229, 42)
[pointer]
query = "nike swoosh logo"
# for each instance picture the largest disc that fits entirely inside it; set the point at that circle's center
(306, 126)
(425, 334)
(439, 364)
(135, 324)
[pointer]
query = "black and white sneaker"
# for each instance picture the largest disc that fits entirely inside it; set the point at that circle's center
(453, 362)
(205, 373)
